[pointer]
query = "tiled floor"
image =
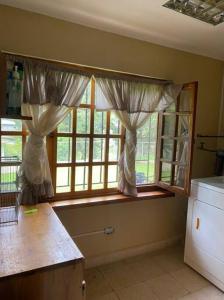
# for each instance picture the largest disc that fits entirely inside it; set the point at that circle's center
(159, 276)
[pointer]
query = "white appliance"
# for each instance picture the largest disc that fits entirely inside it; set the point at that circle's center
(204, 246)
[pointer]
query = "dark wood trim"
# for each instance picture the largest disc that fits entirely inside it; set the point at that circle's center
(192, 135)
(4, 116)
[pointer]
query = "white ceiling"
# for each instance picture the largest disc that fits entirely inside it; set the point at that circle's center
(142, 19)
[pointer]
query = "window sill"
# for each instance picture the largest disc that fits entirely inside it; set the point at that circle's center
(111, 199)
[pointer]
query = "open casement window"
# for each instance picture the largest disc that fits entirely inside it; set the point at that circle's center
(175, 142)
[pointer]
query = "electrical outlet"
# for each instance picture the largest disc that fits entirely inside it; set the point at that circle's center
(109, 230)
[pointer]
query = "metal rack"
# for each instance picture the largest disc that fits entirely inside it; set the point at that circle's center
(9, 189)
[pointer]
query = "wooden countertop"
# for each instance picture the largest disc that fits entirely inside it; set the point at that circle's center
(39, 240)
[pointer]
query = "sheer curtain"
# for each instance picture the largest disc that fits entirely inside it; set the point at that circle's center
(133, 102)
(50, 92)
(183, 147)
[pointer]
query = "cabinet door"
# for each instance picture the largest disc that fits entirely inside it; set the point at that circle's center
(59, 283)
(207, 229)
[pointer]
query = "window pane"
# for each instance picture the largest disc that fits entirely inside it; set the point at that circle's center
(98, 149)
(97, 177)
(168, 145)
(180, 176)
(171, 108)
(66, 125)
(63, 180)
(141, 169)
(8, 179)
(81, 178)
(83, 120)
(182, 153)
(11, 146)
(112, 176)
(86, 98)
(115, 125)
(82, 149)
(166, 173)
(11, 125)
(183, 126)
(100, 122)
(146, 151)
(169, 125)
(114, 149)
(64, 149)
(186, 100)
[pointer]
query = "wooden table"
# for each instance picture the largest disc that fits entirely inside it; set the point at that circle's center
(38, 259)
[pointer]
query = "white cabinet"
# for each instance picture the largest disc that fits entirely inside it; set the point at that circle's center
(204, 247)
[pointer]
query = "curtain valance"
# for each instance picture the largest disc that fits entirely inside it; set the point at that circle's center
(49, 93)
(46, 82)
(133, 97)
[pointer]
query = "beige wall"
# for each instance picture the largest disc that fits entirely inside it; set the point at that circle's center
(146, 221)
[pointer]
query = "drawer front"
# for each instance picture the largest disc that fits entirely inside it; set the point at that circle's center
(207, 229)
(208, 196)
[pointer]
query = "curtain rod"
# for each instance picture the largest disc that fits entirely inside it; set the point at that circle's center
(93, 70)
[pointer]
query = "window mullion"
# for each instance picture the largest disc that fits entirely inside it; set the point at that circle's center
(175, 141)
(73, 173)
(91, 134)
(107, 150)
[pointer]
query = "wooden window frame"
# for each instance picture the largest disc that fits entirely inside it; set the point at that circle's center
(146, 188)
(52, 153)
(185, 190)
(23, 133)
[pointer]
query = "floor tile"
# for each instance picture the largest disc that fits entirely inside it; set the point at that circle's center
(145, 269)
(170, 262)
(158, 276)
(166, 287)
(140, 291)
(96, 284)
(116, 266)
(111, 296)
(121, 278)
(208, 293)
(189, 279)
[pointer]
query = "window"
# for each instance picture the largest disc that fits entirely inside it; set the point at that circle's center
(175, 142)
(88, 146)
(13, 137)
(85, 149)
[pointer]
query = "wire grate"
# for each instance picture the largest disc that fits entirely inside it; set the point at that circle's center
(9, 189)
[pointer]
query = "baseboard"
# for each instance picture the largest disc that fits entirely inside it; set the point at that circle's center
(129, 252)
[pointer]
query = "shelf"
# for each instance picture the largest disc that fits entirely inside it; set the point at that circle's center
(15, 117)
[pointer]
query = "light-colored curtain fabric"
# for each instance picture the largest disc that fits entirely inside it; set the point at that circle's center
(44, 83)
(127, 176)
(183, 143)
(49, 94)
(133, 102)
(35, 171)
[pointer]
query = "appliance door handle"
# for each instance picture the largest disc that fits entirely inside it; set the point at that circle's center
(197, 223)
